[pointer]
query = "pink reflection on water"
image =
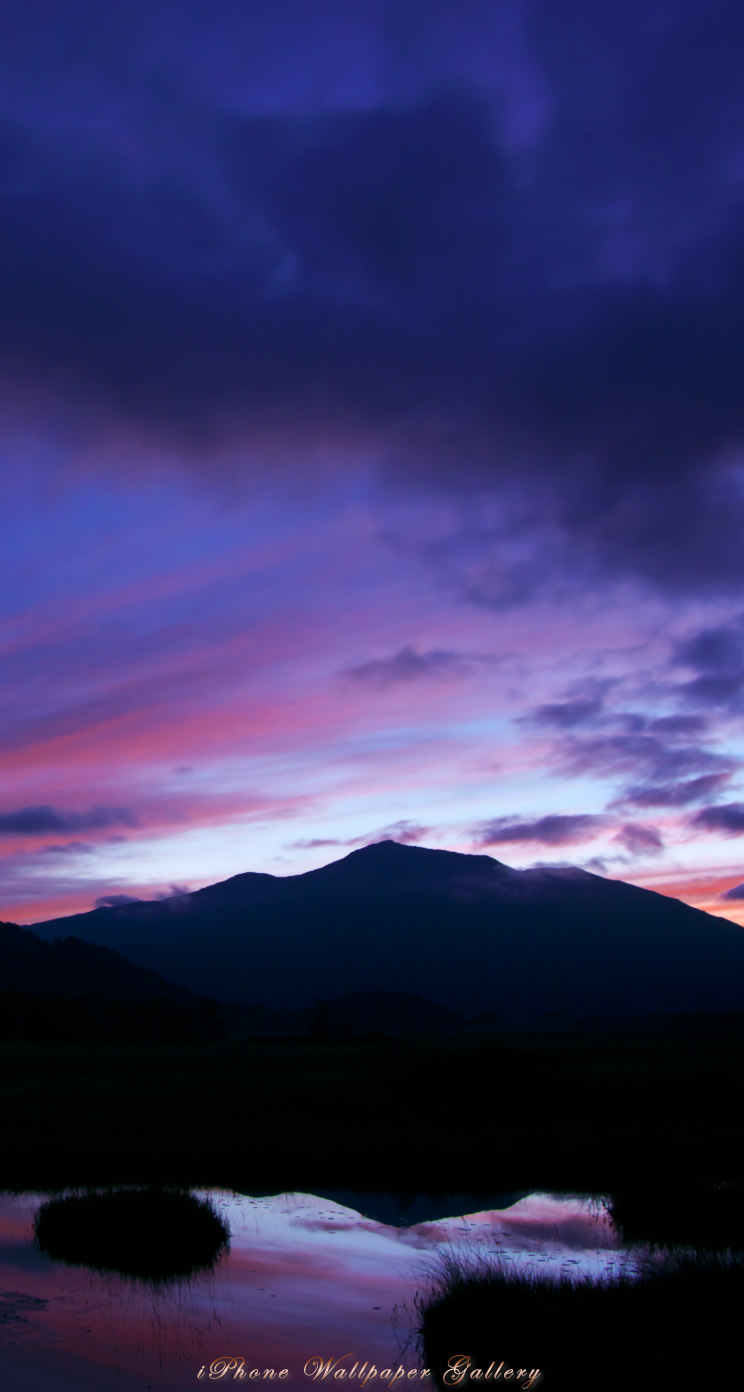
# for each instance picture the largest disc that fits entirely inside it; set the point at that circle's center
(304, 1276)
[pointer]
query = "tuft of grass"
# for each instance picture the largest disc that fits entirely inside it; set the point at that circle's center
(668, 1323)
(697, 1214)
(151, 1234)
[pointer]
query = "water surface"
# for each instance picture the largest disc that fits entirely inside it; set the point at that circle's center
(305, 1275)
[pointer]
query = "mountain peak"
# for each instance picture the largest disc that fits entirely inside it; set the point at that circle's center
(392, 862)
(384, 848)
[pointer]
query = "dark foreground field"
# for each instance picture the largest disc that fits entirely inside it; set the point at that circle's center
(627, 1114)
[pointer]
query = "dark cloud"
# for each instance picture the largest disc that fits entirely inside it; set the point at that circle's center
(314, 843)
(37, 821)
(680, 794)
(404, 831)
(629, 722)
(67, 848)
(657, 768)
(736, 892)
(582, 703)
(532, 282)
(714, 650)
(640, 840)
(174, 891)
(115, 901)
(564, 715)
(410, 665)
(716, 691)
(728, 819)
(552, 830)
(313, 296)
(635, 838)
(683, 725)
(717, 654)
(659, 759)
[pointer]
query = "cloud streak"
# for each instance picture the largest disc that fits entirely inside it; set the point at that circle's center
(552, 830)
(39, 821)
(640, 840)
(727, 819)
(410, 665)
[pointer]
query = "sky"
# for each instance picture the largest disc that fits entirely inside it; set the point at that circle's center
(371, 440)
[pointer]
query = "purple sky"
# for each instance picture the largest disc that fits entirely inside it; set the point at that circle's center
(371, 425)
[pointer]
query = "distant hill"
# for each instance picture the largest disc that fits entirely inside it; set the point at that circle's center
(71, 990)
(73, 967)
(462, 931)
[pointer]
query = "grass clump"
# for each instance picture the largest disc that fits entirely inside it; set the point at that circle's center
(151, 1234)
(669, 1324)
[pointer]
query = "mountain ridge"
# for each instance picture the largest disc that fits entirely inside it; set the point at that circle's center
(464, 931)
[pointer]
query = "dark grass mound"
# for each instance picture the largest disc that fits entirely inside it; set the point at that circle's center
(154, 1235)
(673, 1327)
(701, 1215)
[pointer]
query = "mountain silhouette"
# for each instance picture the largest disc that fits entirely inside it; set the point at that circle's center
(462, 931)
